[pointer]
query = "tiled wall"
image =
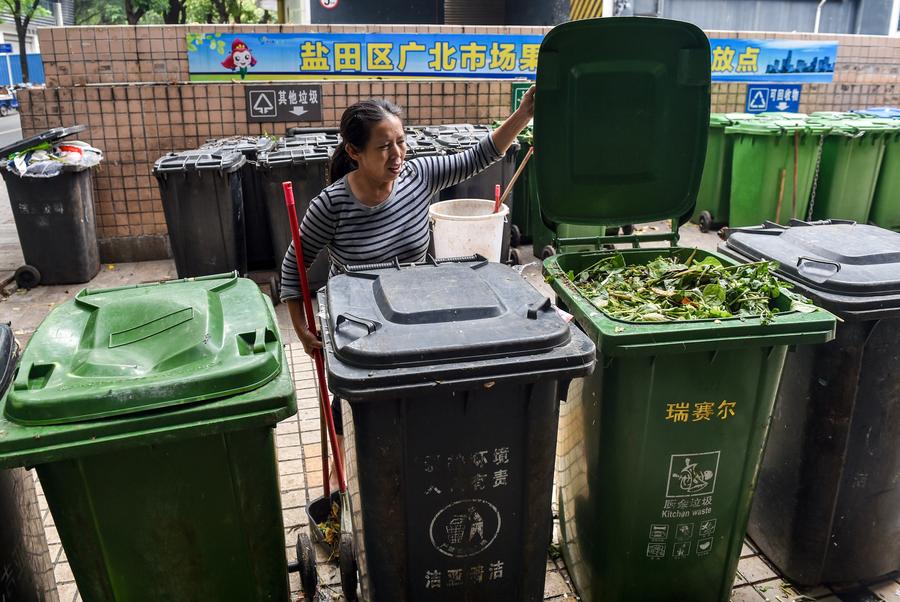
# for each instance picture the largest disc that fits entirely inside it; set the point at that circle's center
(128, 84)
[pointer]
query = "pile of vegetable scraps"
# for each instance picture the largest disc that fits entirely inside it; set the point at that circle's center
(331, 530)
(669, 289)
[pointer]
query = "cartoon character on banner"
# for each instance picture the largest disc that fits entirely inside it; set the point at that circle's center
(240, 58)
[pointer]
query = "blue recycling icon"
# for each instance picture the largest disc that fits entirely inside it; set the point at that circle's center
(758, 99)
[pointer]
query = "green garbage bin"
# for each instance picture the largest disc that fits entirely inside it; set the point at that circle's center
(851, 160)
(715, 187)
(149, 413)
(886, 201)
(767, 152)
(659, 448)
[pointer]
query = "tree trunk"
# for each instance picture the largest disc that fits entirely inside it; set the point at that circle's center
(23, 56)
(132, 14)
(176, 13)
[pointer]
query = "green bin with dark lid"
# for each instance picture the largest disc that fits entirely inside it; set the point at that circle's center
(149, 413)
(659, 447)
(451, 376)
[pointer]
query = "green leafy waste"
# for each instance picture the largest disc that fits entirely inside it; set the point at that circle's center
(670, 289)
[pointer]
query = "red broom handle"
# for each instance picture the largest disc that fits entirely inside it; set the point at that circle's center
(317, 353)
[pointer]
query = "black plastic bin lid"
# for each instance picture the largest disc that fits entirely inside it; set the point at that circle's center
(223, 160)
(48, 136)
(249, 146)
(294, 155)
(850, 269)
(400, 326)
(324, 139)
(621, 125)
(8, 353)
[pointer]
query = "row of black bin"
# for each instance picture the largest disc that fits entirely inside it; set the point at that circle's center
(224, 204)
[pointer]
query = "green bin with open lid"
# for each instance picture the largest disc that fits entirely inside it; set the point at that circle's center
(659, 447)
(148, 411)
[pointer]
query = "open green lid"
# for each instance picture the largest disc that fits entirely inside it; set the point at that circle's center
(115, 352)
(621, 120)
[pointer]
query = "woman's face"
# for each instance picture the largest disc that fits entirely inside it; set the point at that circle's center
(382, 158)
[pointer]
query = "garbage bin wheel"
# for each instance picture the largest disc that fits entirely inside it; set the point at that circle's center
(547, 252)
(274, 290)
(4, 111)
(306, 558)
(514, 258)
(704, 220)
(515, 236)
(27, 276)
(348, 567)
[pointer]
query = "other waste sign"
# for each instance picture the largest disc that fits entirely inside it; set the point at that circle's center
(782, 98)
(284, 103)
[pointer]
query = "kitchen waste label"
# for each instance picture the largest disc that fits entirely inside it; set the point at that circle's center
(686, 525)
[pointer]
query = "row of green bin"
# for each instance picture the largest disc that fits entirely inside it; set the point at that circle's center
(779, 166)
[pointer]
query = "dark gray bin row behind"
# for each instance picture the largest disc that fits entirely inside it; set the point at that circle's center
(224, 203)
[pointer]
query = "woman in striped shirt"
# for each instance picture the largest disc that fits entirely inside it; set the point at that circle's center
(376, 209)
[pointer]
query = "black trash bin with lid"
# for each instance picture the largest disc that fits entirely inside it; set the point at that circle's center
(256, 220)
(204, 207)
(54, 214)
(453, 375)
(827, 505)
(307, 168)
(26, 569)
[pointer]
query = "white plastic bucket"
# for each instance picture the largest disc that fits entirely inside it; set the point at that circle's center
(462, 227)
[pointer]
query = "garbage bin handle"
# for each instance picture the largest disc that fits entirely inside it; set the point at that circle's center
(370, 325)
(534, 308)
(801, 259)
(817, 277)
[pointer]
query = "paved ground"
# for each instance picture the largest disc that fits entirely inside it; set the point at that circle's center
(299, 445)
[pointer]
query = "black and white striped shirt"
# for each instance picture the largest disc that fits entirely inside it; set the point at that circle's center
(395, 228)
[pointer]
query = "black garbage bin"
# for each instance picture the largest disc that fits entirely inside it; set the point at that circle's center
(307, 167)
(26, 569)
(256, 220)
(203, 202)
(54, 214)
(827, 506)
(451, 376)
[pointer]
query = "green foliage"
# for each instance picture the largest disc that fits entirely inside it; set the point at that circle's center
(667, 289)
(223, 11)
(23, 10)
(195, 41)
(99, 12)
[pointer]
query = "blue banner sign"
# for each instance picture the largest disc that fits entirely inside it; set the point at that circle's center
(782, 98)
(287, 56)
(340, 55)
(776, 61)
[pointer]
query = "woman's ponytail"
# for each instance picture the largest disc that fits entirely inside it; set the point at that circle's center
(340, 164)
